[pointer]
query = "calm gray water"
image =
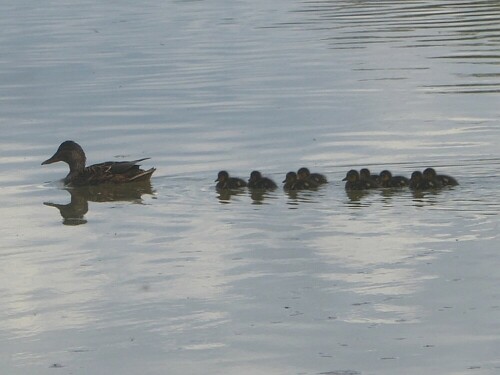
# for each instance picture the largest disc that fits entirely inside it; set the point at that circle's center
(174, 278)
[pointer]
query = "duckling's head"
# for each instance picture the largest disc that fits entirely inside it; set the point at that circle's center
(364, 174)
(416, 176)
(71, 153)
(222, 176)
(290, 177)
(255, 175)
(303, 173)
(352, 176)
(385, 175)
(429, 173)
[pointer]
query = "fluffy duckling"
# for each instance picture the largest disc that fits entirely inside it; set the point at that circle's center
(387, 180)
(419, 182)
(225, 182)
(353, 182)
(368, 178)
(291, 182)
(257, 181)
(430, 174)
(304, 174)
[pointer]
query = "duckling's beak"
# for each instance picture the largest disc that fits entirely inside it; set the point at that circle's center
(345, 178)
(214, 181)
(284, 180)
(54, 159)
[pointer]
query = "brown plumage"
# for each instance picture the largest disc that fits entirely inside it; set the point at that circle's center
(108, 172)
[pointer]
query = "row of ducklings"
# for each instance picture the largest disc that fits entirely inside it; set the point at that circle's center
(428, 179)
(304, 179)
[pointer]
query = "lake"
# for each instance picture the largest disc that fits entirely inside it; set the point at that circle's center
(174, 277)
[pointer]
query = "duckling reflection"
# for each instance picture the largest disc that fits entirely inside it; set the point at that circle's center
(224, 195)
(74, 212)
(258, 196)
(356, 195)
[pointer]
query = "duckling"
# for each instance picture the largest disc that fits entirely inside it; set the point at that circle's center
(304, 174)
(291, 182)
(109, 172)
(419, 182)
(430, 174)
(370, 179)
(387, 180)
(353, 181)
(225, 182)
(256, 181)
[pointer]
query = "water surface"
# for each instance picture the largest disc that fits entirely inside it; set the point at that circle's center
(177, 278)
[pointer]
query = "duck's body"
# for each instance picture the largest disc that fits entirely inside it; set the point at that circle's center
(370, 180)
(257, 181)
(303, 174)
(225, 182)
(387, 180)
(108, 172)
(444, 180)
(291, 182)
(353, 182)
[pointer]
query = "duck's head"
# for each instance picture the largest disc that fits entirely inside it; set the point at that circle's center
(385, 175)
(416, 176)
(290, 177)
(429, 173)
(222, 176)
(303, 173)
(71, 153)
(255, 175)
(351, 176)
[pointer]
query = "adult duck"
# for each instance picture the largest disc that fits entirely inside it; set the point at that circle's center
(108, 172)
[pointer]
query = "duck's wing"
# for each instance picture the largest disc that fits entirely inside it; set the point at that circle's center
(117, 171)
(115, 167)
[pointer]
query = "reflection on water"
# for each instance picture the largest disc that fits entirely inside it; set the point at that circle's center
(461, 32)
(225, 195)
(259, 196)
(305, 282)
(356, 196)
(73, 212)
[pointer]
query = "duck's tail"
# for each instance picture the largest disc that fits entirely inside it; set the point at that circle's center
(143, 176)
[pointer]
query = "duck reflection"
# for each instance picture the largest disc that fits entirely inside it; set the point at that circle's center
(423, 198)
(224, 195)
(356, 195)
(73, 213)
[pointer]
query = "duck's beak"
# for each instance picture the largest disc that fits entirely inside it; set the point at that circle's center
(216, 180)
(54, 159)
(344, 179)
(284, 180)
